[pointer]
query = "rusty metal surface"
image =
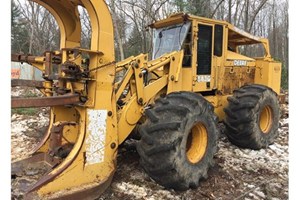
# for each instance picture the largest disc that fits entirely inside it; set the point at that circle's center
(71, 71)
(87, 192)
(45, 101)
(38, 160)
(23, 58)
(56, 147)
(235, 77)
(48, 64)
(28, 83)
(56, 59)
(34, 166)
(42, 142)
(51, 175)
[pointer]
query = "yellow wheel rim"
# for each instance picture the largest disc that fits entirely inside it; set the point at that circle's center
(196, 143)
(266, 119)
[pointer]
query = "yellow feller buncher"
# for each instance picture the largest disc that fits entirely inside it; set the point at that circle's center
(195, 78)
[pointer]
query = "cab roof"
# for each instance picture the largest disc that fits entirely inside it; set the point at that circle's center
(236, 36)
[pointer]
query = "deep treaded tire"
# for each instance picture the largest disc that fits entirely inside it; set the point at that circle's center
(178, 140)
(252, 117)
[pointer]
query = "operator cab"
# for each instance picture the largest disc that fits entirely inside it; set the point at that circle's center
(199, 41)
(207, 44)
(170, 38)
(182, 32)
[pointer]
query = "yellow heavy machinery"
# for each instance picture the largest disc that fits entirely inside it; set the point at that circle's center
(195, 78)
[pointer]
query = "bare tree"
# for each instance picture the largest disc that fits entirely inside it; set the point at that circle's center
(265, 18)
(42, 27)
(229, 10)
(117, 26)
(86, 29)
(141, 14)
(256, 11)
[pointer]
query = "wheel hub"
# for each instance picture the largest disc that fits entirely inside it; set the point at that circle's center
(196, 143)
(266, 119)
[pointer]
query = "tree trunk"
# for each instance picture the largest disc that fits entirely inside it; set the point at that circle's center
(246, 15)
(215, 10)
(255, 14)
(229, 11)
(116, 25)
(32, 71)
(236, 12)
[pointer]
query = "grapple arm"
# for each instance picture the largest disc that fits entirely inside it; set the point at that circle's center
(79, 148)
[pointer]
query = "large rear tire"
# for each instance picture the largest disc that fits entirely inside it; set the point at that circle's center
(178, 140)
(252, 117)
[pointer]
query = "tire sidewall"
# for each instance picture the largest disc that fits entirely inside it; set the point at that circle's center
(164, 139)
(268, 99)
(203, 163)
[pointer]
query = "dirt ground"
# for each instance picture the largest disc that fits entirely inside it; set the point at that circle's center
(237, 174)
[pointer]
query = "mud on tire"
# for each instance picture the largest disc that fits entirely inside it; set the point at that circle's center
(178, 140)
(252, 117)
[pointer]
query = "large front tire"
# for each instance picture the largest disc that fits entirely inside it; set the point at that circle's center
(252, 117)
(178, 140)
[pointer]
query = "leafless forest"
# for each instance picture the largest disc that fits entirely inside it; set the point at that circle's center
(34, 30)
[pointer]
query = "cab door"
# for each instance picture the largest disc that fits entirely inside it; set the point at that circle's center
(203, 73)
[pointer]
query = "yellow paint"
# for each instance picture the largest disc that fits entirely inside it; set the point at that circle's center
(125, 101)
(269, 74)
(196, 143)
(124, 128)
(219, 102)
(235, 56)
(175, 75)
(266, 119)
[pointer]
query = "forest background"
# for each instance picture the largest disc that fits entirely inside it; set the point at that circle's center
(34, 29)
